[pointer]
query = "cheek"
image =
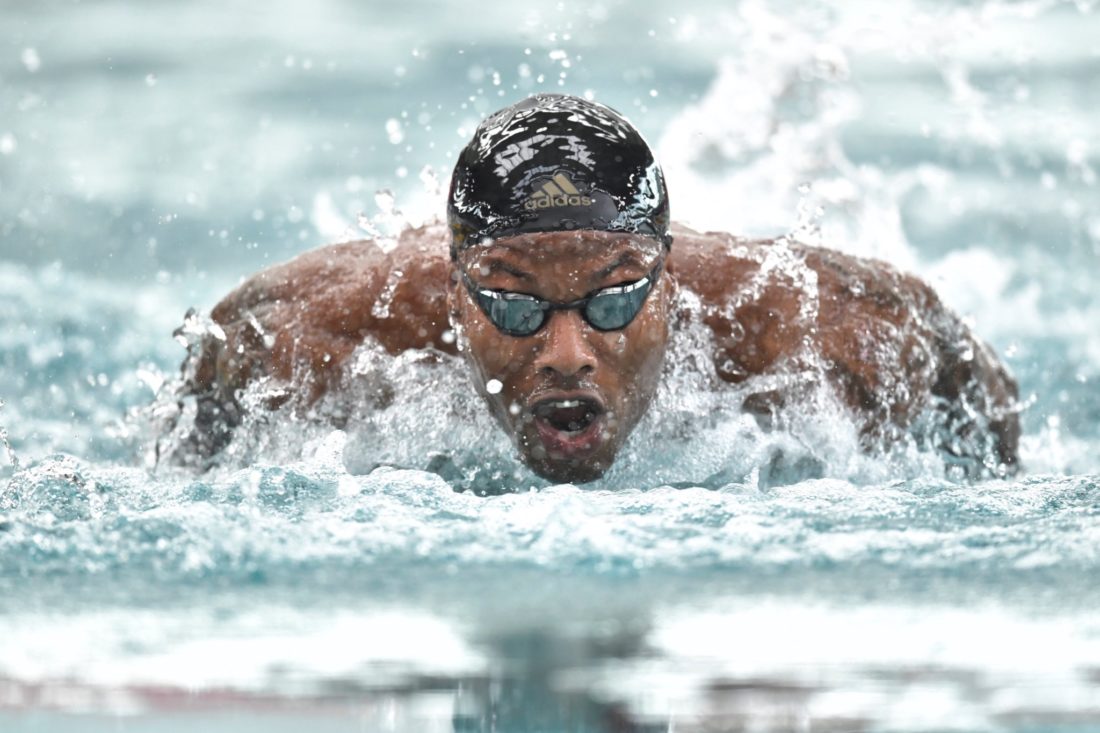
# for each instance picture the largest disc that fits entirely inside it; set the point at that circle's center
(650, 352)
(635, 357)
(492, 354)
(643, 342)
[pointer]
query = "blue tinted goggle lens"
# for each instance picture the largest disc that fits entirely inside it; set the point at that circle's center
(520, 315)
(610, 309)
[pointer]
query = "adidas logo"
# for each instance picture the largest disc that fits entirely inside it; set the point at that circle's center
(558, 191)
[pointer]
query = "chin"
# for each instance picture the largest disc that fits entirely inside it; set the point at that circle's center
(567, 446)
(569, 472)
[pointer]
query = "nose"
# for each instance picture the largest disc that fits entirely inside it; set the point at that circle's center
(565, 348)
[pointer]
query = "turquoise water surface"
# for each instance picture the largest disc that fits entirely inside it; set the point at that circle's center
(406, 573)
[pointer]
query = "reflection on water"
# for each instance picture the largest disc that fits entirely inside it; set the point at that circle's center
(541, 682)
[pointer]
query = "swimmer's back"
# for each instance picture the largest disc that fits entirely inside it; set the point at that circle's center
(880, 337)
(316, 309)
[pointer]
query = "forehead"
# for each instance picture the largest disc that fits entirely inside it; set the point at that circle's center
(579, 251)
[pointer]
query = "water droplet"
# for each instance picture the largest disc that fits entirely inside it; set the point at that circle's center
(493, 386)
(384, 199)
(381, 307)
(367, 226)
(150, 80)
(394, 133)
(31, 60)
(430, 180)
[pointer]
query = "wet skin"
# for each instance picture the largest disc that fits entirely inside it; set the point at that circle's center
(881, 339)
(613, 375)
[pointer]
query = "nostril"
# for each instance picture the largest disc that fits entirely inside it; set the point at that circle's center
(557, 368)
(565, 348)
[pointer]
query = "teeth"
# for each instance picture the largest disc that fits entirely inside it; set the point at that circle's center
(566, 404)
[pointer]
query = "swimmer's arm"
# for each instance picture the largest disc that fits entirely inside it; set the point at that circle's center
(302, 318)
(279, 323)
(882, 339)
(977, 388)
(301, 321)
(894, 351)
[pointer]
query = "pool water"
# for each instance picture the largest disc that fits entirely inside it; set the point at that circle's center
(405, 572)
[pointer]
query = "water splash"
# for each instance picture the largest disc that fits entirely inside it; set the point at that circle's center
(418, 410)
(9, 452)
(386, 226)
(381, 307)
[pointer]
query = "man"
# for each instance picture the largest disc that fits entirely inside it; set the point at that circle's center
(557, 280)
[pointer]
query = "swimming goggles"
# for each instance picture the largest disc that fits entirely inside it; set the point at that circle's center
(520, 314)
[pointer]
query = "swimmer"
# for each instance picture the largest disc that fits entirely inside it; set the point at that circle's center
(556, 279)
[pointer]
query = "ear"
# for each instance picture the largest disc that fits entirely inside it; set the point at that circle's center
(668, 288)
(674, 305)
(454, 292)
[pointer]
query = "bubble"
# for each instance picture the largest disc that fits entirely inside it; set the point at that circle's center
(394, 132)
(493, 386)
(31, 60)
(430, 181)
(384, 199)
(381, 307)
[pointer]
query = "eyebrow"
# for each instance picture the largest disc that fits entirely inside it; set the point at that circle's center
(500, 266)
(628, 257)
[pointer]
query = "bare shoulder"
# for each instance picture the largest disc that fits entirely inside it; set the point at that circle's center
(338, 284)
(881, 337)
(766, 299)
(312, 312)
(310, 278)
(744, 290)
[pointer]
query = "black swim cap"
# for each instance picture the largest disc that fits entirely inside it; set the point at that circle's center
(555, 162)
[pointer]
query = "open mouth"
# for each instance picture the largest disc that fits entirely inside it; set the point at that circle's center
(569, 427)
(568, 416)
